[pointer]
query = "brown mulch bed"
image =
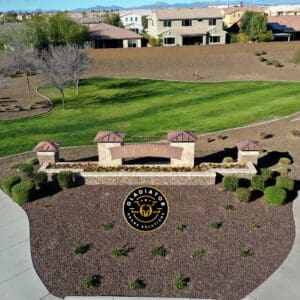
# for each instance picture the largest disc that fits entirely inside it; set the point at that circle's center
(71, 217)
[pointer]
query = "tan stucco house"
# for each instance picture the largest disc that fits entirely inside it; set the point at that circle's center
(187, 26)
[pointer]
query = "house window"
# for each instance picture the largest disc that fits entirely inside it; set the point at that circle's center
(126, 19)
(132, 43)
(212, 21)
(215, 39)
(186, 22)
(131, 19)
(169, 41)
(136, 18)
(167, 23)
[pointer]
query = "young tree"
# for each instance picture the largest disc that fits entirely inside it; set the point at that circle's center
(79, 62)
(253, 24)
(56, 69)
(113, 19)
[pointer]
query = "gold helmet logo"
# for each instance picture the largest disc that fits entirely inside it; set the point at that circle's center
(146, 210)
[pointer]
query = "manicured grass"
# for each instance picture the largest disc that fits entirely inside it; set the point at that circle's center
(147, 109)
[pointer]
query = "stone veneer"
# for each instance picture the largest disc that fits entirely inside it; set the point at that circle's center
(187, 156)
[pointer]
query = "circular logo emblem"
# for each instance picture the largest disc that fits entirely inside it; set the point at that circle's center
(145, 209)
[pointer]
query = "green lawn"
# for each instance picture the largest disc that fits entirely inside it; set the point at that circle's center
(147, 109)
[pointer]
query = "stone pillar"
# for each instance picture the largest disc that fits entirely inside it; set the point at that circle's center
(105, 141)
(47, 152)
(185, 140)
(187, 157)
(125, 43)
(248, 151)
(104, 156)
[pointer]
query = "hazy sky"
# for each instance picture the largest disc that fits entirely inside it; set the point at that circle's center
(6, 5)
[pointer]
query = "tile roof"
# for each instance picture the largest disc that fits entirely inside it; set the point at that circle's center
(187, 13)
(249, 146)
(104, 31)
(230, 10)
(110, 137)
(45, 146)
(182, 136)
(284, 23)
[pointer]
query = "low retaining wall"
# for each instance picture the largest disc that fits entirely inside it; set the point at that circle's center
(153, 178)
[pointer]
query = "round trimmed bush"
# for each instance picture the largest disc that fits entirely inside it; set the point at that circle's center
(32, 161)
(266, 173)
(22, 192)
(285, 183)
(258, 182)
(261, 59)
(40, 179)
(283, 171)
(284, 161)
(26, 170)
(9, 182)
(65, 179)
(227, 160)
(275, 195)
(230, 183)
(243, 194)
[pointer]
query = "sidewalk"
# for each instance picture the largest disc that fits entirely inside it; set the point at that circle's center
(19, 281)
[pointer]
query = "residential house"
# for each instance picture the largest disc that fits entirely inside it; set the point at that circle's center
(187, 26)
(133, 19)
(285, 27)
(108, 36)
(233, 15)
(283, 10)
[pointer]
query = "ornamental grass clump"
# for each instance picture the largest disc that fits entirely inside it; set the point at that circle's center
(90, 281)
(26, 170)
(227, 160)
(243, 194)
(23, 192)
(230, 183)
(258, 183)
(9, 182)
(65, 179)
(285, 183)
(159, 251)
(284, 161)
(266, 173)
(181, 283)
(137, 284)
(40, 179)
(275, 195)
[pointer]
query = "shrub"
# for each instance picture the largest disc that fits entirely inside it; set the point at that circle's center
(258, 183)
(284, 161)
(81, 249)
(266, 37)
(243, 194)
(261, 59)
(198, 253)
(107, 226)
(297, 56)
(277, 64)
(159, 251)
(257, 53)
(90, 281)
(215, 225)
(137, 284)
(266, 173)
(65, 179)
(26, 170)
(180, 227)
(285, 183)
(181, 283)
(275, 195)
(283, 171)
(245, 253)
(227, 159)
(40, 179)
(22, 192)
(234, 38)
(268, 62)
(15, 165)
(32, 161)
(229, 207)
(230, 183)
(9, 182)
(119, 252)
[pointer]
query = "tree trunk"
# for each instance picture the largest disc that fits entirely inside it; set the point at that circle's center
(28, 85)
(63, 98)
(77, 86)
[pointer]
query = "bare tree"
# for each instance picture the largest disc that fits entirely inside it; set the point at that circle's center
(62, 64)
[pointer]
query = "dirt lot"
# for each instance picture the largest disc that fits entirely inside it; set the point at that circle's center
(61, 222)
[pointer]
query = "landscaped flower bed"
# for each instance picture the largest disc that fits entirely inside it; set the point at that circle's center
(94, 167)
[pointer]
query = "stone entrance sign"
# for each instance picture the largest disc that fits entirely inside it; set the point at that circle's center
(146, 150)
(180, 150)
